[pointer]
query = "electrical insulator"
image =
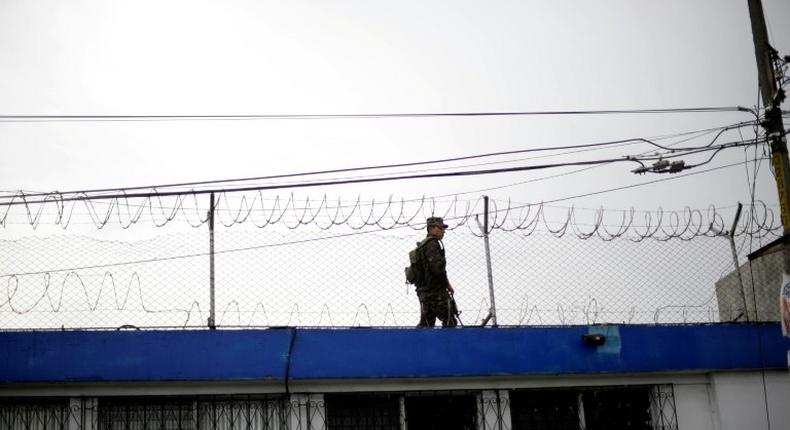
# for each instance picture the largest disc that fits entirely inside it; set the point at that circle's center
(660, 165)
(677, 166)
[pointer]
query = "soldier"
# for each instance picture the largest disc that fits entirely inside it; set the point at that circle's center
(434, 293)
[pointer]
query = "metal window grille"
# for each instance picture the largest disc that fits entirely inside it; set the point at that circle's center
(192, 414)
(259, 414)
(545, 409)
(38, 414)
(626, 407)
(363, 412)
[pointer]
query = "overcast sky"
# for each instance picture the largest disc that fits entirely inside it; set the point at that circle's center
(106, 57)
(362, 57)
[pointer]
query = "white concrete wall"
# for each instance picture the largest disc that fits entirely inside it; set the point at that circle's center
(694, 407)
(741, 399)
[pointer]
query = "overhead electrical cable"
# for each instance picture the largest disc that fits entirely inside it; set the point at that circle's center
(655, 181)
(60, 197)
(377, 167)
(689, 135)
(696, 133)
(626, 142)
(242, 117)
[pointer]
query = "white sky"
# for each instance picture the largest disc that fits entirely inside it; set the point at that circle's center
(341, 57)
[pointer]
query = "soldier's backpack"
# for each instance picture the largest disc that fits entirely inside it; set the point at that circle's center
(417, 271)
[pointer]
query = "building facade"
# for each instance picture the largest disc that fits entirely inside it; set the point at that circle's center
(718, 377)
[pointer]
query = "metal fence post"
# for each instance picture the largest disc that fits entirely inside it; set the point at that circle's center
(731, 237)
(484, 228)
(737, 264)
(211, 317)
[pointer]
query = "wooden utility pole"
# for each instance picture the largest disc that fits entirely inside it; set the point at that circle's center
(772, 97)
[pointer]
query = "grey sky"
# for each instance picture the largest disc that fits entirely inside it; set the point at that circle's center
(363, 57)
(238, 57)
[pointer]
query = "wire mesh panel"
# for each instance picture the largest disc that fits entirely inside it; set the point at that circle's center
(318, 269)
(66, 281)
(548, 280)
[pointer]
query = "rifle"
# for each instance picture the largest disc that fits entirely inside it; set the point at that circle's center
(452, 309)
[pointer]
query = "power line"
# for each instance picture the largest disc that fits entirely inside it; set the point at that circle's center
(625, 187)
(699, 133)
(333, 171)
(243, 117)
(620, 142)
(124, 195)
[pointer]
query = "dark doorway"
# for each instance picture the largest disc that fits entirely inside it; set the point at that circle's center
(449, 412)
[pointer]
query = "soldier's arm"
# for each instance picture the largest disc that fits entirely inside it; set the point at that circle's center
(436, 263)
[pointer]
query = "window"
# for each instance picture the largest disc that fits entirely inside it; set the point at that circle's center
(545, 409)
(596, 408)
(37, 414)
(445, 412)
(192, 414)
(146, 414)
(617, 408)
(363, 412)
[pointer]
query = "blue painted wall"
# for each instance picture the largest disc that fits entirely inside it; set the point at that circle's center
(303, 354)
(143, 355)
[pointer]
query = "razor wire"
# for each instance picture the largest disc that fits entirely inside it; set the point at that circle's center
(391, 214)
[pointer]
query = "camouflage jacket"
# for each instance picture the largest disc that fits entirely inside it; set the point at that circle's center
(433, 251)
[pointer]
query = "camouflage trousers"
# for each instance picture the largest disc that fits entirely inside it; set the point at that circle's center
(435, 303)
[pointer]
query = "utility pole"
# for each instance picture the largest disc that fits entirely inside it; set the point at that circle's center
(772, 97)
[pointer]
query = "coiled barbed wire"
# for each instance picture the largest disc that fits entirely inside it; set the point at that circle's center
(760, 220)
(54, 296)
(660, 225)
(232, 315)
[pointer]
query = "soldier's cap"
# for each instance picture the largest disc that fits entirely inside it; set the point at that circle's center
(435, 220)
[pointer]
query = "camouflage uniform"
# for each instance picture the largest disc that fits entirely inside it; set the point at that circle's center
(433, 295)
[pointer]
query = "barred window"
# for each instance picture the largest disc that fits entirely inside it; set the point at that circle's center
(192, 414)
(363, 412)
(37, 414)
(545, 409)
(431, 411)
(598, 408)
(251, 414)
(146, 414)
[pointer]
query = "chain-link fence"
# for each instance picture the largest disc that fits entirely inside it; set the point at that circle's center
(308, 274)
